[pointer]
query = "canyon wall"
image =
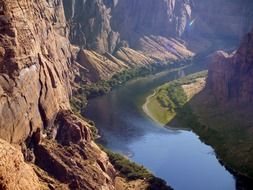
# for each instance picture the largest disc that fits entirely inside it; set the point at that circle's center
(34, 66)
(51, 148)
(102, 25)
(230, 76)
(211, 19)
(90, 27)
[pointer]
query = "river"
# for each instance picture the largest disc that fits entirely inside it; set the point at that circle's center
(177, 156)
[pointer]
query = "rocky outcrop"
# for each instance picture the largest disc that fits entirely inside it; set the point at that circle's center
(34, 66)
(230, 77)
(90, 26)
(14, 172)
(99, 25)
(99, 67)
(163, 49)
(74, 159)
(182, 18)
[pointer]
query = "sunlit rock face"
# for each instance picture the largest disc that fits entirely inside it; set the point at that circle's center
(230, 77)
(34, 66)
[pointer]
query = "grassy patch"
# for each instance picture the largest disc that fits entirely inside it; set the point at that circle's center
(168, 98)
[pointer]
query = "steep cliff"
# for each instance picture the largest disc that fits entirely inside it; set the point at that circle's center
(224, 109)
(58, 148)
(136, 18)
(90, 26)
(34, 66)
(106, 26)
(230, 76)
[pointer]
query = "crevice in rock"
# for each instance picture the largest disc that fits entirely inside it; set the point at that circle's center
(40, 107)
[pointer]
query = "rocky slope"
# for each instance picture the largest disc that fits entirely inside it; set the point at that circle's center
(14, 172)
(230, 76)
(44, 145)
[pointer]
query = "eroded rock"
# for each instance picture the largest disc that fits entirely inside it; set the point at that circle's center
(14, 172)
(75, 159)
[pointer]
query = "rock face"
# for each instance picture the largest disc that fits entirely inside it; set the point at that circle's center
(230, 77)
(14, 172)
(101, 25)
(34, 66)
(35, 73)
(135, 18)
(99, 67)
(90, 25)
(46, 44)
(163, 49)
(74, 159)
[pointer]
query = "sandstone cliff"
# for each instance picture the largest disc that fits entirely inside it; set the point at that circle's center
(105, 26)
(230, 76)
(35, 60)
(135, 18)
(34, 66)
(90, 26)
(48, 45)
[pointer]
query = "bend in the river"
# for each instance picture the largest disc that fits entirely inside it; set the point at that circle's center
(177, 156)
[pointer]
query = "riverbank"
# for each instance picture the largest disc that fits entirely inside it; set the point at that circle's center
(161, 106)
(86, 92)
(221, 129)
(130, 173)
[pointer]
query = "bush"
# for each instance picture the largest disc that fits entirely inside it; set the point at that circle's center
(133, 171)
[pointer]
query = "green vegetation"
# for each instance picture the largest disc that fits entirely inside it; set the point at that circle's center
(169, 98)
(228, 131)
(128, 169)
(88, 91)
(133, 171)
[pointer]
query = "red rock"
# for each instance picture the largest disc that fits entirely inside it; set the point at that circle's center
(230, 77)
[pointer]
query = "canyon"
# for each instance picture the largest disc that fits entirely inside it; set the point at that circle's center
(49, 48)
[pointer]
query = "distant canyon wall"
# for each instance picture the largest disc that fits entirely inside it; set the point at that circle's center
(230, 77)
(101, 25)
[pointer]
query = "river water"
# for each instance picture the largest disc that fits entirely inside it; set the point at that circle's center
(177, 156)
